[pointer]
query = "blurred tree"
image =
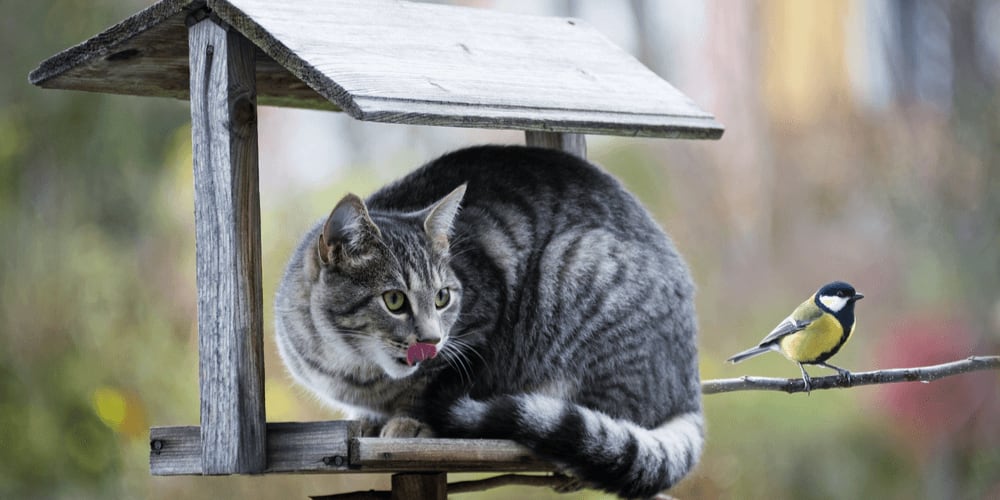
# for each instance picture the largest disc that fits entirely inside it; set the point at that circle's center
(77, 172)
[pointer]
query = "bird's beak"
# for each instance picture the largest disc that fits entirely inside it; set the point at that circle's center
(856, 297)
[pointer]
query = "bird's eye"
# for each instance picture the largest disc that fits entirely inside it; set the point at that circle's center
(395, 300)
(442, 298)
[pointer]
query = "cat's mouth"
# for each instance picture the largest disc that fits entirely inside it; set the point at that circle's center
(416, 353)
(420, 351)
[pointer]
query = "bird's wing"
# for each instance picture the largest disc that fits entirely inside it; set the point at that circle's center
(801, 317)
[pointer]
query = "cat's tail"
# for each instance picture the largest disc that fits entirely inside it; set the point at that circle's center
(614, 455)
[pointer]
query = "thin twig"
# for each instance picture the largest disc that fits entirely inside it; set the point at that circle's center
(922, 374)
(557, 482)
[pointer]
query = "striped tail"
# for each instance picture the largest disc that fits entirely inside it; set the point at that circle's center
(613, 455)
(749, 353)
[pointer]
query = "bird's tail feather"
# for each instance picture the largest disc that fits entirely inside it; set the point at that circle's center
(749, 353)
(614, 455)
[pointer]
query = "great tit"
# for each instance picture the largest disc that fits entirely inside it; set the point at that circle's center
(815, 330)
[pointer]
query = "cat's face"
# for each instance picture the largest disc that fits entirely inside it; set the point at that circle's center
(384, 290)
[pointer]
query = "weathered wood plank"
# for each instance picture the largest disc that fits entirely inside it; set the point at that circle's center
(335, 447)
(571, 143)
(147, 54)
(227, 235)
(445, 455)
(418, 64)
(420, 485)
(310, 447)
(538, 70)
(292, 447)
(175, 451)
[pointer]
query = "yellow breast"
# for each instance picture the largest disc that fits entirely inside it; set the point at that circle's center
(819, 337)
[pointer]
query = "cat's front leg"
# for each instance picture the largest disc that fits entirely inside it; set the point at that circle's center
(402, 426)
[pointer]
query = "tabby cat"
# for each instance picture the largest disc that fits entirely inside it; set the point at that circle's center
(504, 292)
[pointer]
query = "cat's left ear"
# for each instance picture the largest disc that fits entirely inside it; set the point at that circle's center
(441, 218)
(349, 233)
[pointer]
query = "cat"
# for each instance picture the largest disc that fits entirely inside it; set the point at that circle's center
(504, 292)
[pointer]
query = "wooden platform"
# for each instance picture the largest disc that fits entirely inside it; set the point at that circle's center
(336, 447)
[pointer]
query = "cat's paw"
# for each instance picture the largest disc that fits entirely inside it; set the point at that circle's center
(406, 427)
(370, 427)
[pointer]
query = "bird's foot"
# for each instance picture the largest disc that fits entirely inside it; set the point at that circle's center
(843, 374)
(805, 379)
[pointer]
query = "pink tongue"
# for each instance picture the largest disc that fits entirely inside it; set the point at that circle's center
(419, 352)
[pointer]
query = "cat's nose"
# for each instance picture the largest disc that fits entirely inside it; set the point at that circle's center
(426, 334)
(428, 338)
(426, 331)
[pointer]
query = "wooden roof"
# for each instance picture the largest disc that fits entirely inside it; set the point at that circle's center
(400, 62)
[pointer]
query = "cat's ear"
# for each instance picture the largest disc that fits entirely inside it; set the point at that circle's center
(441, 218)
(349, 232)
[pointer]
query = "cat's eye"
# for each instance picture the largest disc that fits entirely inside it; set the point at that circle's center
(442, 298)
(395, 300)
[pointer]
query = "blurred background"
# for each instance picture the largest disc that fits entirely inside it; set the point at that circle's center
(862, 143)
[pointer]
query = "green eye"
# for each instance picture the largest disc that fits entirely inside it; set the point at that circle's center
(442, 298)
(395, 300)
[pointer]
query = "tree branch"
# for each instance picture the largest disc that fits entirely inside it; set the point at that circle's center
(923, 374)
(558, 482)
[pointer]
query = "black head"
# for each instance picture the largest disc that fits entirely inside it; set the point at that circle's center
(837, 295)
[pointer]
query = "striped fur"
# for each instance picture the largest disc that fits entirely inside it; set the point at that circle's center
(572, 327)
(613, 454)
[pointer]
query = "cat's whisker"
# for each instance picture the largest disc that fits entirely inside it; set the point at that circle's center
(462, 359)
(466, 345)
(454, 361)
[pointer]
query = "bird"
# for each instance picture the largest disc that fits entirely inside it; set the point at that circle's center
(814, 332)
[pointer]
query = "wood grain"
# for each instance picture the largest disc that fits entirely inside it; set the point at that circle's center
(420, 485)
(147, 54)
(444, 455)
(400, 62)
(175, 451)
(292, 447)
(335, 447)
(227, 236)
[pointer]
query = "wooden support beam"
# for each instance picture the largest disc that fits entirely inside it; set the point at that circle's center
(563, 141)
(420, 486)
(335, 447)
(443, 455)
(227, 235)
(292, 447)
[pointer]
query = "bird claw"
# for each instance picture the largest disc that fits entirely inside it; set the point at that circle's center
(805, 379)
(842, 374)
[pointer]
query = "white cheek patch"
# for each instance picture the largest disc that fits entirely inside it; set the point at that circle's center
(833, 302)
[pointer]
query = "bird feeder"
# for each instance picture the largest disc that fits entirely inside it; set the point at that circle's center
(377, 60)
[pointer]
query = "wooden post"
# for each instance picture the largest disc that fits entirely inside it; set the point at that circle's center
(420, 486)
(571, 143)
(227, 235)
